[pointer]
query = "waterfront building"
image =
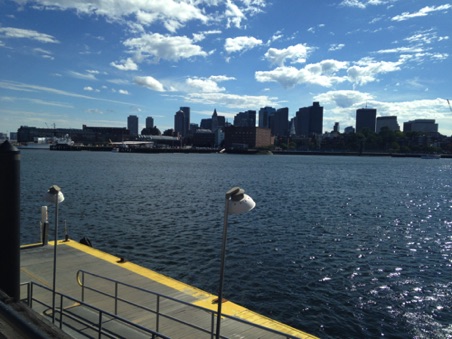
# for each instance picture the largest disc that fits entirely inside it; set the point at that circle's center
(245, 119)
(204, 138)
(237, 137)
(132, 125)
(365, 119)
(103, 134)
(309, 120)
(179, 123)
(150, 122)
(214, 123)
(264, 116)
(186, 111)
(421, 125)
(279, 122)
(389, 122)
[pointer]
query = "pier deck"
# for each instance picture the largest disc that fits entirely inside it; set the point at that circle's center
(37, 266)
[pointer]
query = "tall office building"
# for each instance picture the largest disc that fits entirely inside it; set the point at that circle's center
(245, 119)
(150, 122)
(309, 120)
(186, 111)
(179, 123)
(366, 119)
(264, 116)
(132, 125)
(279, 122)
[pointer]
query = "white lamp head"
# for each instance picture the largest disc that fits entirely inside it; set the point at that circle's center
(243, 205)
(50, 195)
(239, 201)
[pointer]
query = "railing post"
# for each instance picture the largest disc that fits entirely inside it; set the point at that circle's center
(83, 286)
(157, 320)
(100, 325)
(116, 298)
(212, 326)
(61, 311)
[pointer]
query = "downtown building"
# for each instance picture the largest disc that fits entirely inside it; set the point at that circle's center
(421, 125)
(389, 122)
(309, 120)
(366, 119)
(132, 125)
(182, 121)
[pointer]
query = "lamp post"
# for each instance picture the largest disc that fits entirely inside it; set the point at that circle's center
(236, 202)
(54, 195)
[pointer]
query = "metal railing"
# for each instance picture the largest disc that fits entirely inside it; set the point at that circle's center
(67, 320)
(159, 305)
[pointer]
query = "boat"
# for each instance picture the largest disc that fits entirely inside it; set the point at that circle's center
(63, 143)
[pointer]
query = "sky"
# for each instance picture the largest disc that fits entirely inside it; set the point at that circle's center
(66, 63)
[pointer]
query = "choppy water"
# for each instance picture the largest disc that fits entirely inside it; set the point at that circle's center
(352, 247)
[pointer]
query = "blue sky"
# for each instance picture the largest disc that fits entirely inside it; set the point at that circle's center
(74, 62)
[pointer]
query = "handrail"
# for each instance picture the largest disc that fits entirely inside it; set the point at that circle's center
(80, 277)
(99, 328)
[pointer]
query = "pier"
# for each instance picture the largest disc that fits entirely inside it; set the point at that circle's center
(98, 291)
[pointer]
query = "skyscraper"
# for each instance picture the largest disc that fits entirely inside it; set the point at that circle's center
(279, 122)
(264, 116)
(309, 120)
(366, 119)
(186, 111)
(245, 119)
(150, 122)
(179, 123)
(132, 125)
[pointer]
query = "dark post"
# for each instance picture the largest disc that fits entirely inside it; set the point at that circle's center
(10, 220)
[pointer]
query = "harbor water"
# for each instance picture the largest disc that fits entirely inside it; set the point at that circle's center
(340, 247)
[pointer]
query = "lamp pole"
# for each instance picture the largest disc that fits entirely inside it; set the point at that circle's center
(236, 202)
(54, 195)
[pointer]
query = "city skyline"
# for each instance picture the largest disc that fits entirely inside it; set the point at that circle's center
(72, 63)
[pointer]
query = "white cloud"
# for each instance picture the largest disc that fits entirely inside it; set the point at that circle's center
(294, 54)
(366, 70)
(158, 46)
(233, 14)
(22, 87)
(322, 74)
(207, 85)
(362, 4)
(173, 14)
(125, 65)
(343, 98)
(123, 91)
(19, 33)
(336, 47)
(234, 101)
(79, 75)
(150, 83)
(241, 43)
(422, 12)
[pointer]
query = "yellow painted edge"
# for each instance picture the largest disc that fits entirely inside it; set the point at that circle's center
(206, 299)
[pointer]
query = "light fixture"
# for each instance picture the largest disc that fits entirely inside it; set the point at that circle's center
(236, 202)
(54, 195)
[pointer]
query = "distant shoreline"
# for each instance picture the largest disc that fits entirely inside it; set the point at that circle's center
(247, 152)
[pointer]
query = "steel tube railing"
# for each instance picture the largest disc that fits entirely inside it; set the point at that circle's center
(158, 311)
